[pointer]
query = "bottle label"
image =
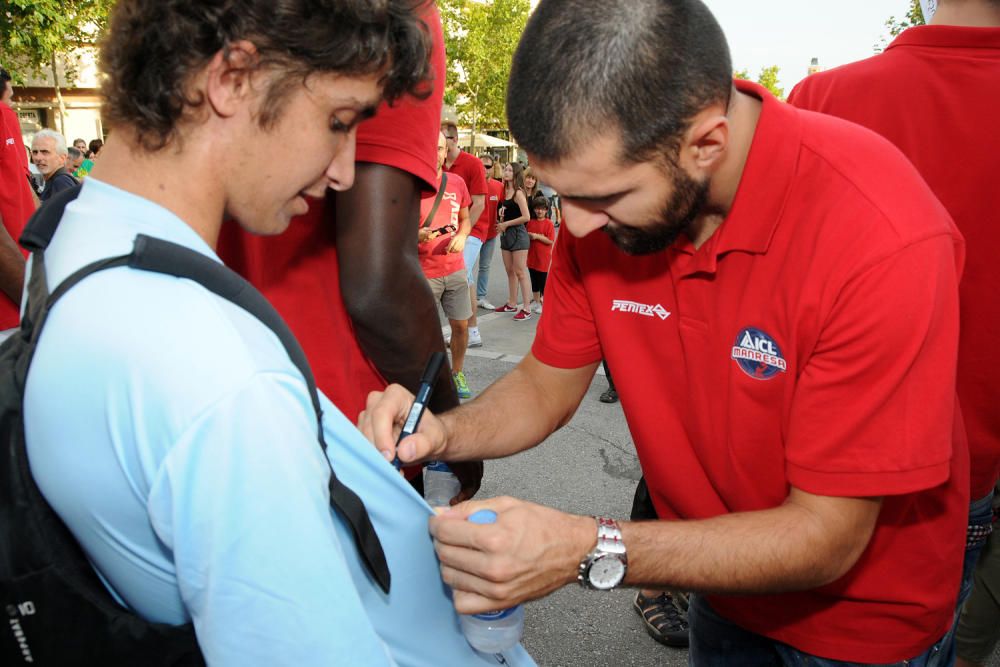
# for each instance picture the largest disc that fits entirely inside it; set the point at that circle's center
(496, 615)
(438, 466)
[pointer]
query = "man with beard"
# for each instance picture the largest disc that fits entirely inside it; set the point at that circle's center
(776, 292)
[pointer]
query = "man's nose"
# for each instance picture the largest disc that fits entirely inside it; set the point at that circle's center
(581, 221)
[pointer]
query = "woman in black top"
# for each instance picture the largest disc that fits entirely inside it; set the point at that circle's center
(513, 215)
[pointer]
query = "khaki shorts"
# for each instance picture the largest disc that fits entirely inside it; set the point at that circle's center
(452, 291)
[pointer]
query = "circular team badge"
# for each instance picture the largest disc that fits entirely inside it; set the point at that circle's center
(757, 354)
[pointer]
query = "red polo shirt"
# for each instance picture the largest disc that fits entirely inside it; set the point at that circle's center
(16, 204)
(298, 271)
(810, 342)
(470, 168)
(933, 84)
(487, 225)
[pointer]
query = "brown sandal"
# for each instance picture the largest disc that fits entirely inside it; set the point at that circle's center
(665, 621)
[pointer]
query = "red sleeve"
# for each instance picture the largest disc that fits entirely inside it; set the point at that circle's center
(886, 359)
(550, 230)
(567, 335)
(475, 176)
(405, 135)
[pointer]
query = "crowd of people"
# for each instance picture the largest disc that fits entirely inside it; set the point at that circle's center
(795, 300)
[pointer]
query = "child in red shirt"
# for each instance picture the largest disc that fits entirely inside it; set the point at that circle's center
(542, 233)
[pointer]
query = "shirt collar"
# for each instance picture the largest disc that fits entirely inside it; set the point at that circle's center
(948, 36)
(764, 184)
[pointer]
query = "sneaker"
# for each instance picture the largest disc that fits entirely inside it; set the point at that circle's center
(522, 315)
(461, 385)
(475, 338)
(610, 396)
(506, 308)
(536, 307)
(486, 305)
(665, 622)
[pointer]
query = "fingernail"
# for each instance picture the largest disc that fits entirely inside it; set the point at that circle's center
(386, 454)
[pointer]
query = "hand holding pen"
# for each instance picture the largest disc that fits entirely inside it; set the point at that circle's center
(423, 397)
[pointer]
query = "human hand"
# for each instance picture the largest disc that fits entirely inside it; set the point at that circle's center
(425, 235)
(529, 552)
(382, 420)
(501, 227)
(457, 244)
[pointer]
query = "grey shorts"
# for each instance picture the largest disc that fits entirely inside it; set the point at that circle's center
(515, 238)
(452, 291)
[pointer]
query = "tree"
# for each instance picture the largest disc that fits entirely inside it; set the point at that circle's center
(35, 34)
(914, 16)
(480, 38)
(768, 78)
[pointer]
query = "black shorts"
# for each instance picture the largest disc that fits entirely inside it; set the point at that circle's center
(515, 238)
(538, 280)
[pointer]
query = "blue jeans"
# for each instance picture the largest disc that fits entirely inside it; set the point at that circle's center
(718, 642)
(470, 254)
(485, 259)
(980, 515)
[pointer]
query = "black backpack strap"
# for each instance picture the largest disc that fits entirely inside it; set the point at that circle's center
(437, 200)
(161, 256)
(42, 225)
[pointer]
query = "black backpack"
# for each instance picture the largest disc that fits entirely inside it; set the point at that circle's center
(58, 611)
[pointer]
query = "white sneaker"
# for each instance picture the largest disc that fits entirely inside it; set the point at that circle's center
(536, 307)
(486, 305)
(475, 338)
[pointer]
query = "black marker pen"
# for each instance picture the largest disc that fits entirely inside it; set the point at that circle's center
(420, 402)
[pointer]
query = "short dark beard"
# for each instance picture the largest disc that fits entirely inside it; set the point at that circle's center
(688, 201)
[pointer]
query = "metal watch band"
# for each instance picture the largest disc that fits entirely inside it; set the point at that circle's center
(610, 549)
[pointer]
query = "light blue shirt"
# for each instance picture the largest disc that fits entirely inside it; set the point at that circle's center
(172, 433)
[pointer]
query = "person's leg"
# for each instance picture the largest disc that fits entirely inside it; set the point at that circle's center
(717, 642)
(611, 395)
(536, 294)
(508, 265)
(485, 261)
(471, 254)
(457, 308)
(665, 619)
(980, 526)
(520, 262)
(978, 628)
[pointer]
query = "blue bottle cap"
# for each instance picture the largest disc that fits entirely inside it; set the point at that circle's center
(483, 517)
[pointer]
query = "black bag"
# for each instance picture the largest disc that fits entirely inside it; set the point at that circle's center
(59, 612)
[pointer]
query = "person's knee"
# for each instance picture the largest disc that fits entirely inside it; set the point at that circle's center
(459, 327)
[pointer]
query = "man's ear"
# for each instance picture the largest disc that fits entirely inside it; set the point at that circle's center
(227, 78)
(707, 138)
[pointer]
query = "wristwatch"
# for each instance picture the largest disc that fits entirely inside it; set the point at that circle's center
(604, 568)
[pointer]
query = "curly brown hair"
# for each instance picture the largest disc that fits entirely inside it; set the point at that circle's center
(154, 47)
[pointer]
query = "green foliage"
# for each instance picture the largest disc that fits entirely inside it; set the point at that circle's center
(480, 38)
(33, 32)
(768, 78)
(914, 16)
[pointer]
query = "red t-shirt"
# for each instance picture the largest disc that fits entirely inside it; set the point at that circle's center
(435, 260)
(811, 342)
(487, 225)
(540, 254)
(470, 168)
(16, 204)
(924, 94)
(298, 270)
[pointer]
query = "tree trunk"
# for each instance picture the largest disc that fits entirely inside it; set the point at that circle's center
(59, 97)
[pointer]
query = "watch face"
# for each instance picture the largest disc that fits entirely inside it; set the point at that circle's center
(606, 572)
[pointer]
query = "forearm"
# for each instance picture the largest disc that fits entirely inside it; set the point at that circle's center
(11, 266)
(478, 204)
(787, 548)
(384, 290)
(495, 425)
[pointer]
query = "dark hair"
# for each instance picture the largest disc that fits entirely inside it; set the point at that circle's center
(4, 77)
(642, 67)
(73, 152)
(95, 146)
(539, 202)
(154, 47)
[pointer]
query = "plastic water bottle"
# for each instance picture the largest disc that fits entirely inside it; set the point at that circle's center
(493, 631)
(440, 484)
